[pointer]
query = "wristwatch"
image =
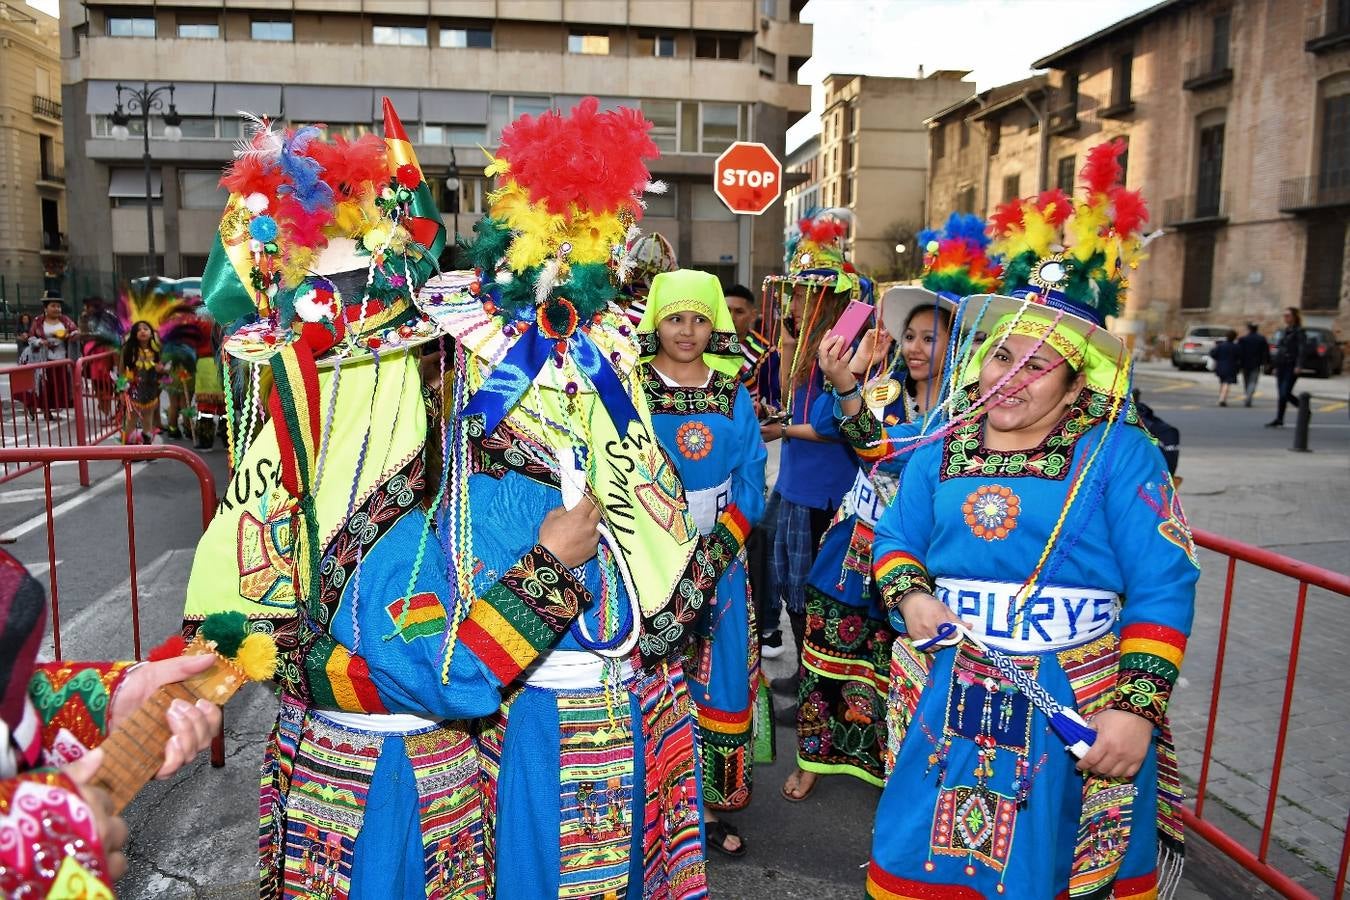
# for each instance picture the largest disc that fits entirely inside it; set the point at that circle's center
(783, 434)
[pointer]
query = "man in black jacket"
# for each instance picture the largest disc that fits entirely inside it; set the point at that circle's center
(1288, 358)
(1253, 354)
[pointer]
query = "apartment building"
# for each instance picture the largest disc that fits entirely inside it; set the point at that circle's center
(873, 152)
(32, 180)
(706, 72)
(1237, 116)
(802, 166)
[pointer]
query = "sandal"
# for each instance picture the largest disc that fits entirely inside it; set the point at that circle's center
(718, 832)
(792, 786)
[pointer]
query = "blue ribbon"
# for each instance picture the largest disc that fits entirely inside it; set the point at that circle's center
(513, 376)
(1060, 301)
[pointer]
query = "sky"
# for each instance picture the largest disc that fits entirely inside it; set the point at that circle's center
(996, 39)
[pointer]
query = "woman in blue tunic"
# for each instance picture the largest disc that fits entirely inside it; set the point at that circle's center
(705, 420)
(1046, 525)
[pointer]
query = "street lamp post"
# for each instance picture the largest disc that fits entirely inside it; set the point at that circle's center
(900, 267)
(452, 185)
(140, 104)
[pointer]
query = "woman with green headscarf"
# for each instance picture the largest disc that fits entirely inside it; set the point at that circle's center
(706, 421)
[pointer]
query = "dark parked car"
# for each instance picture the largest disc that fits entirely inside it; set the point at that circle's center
(1322, 354)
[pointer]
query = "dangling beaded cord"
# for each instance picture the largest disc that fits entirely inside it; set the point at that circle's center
(351, 506)
(458, 513)
(230, 436)
(328, 424)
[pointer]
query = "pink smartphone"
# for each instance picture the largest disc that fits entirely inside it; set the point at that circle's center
(853, 321)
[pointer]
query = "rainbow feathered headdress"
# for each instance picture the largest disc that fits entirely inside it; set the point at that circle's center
(815, 252)
(956, 264)
(302, 209)
(1074, 254)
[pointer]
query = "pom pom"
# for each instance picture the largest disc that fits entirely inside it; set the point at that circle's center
(257, 656)
(409, 176)
(172, 648)
(257, 203)
(263, 228)
(227, 630)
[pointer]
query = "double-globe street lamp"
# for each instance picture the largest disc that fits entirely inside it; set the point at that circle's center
(140, 104)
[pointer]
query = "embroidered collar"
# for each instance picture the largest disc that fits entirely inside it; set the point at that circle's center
(719, 396)
(964, 453)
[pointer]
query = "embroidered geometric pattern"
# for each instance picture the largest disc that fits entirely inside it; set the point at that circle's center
(899, 573)
(864, 433)
(1150, 660)
(673, 863)
(718, 397)
(596, 783)
(445, 768)
(974, 823)
(1173, 527)
(991, 511)
(963, 454)
(42, 820)
(72, 701)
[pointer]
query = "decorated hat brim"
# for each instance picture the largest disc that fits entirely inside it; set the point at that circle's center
(900, 300)
(982, 311)
(259, 342)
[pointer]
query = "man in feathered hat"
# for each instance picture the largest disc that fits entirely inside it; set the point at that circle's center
(324, 538)
(591, 781)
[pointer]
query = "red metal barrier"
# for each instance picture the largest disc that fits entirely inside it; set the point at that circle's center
(43, 457)
(97, 416)
(1307, 576)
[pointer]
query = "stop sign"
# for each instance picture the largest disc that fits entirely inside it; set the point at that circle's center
(748, 178)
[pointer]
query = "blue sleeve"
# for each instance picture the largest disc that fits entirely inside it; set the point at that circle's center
(1156, 557)
(823, 415)
(747, 475)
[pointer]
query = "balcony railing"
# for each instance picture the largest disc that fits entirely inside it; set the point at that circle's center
(48, 109)
(1314, 192)
(1212, 69)
(1211, 206)
(54, 242)
(51, 173)
(1064, 118)
(1327, 30)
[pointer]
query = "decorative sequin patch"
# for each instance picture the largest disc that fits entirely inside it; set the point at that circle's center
(694, 440)
(974, 823)
(991, 511)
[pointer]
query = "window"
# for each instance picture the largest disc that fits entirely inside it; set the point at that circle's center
(453, 135)
(654, 45)
(399, 35)
(664, 116)
(469, 196)
(1221, 31)
(1197, 269)
(194, 128)
(42, 83)
(964, 133)
(1333, 158)
(848, 190)
(47, 156)
(1012, 186)
(687, 126)
(200, 189)
(1323, 263)
(191, 265)
(662, 206)
(199, 27)
(848, 154)
(1064, 173)
(1209, 168)
(939, 141)
(1069, 94)
(1124, 161)
(476, 38)
(1121, 78)
(131, 26)
(588, 42)
(706, 207)
(965, 200)
(768, 63)
(503, 109)
(995, 137)
(708, 46)
(349, 130)
(271, 30)
(721, 123)
(51, 225)
(132, 265)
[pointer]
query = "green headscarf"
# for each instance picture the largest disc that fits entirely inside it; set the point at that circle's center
(1102, 372)
(689, 290)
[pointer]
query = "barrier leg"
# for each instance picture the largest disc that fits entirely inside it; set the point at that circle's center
(1304, 422)
(218, 745)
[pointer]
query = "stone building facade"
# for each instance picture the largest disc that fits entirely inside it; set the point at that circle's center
(706, 72)
(1237, 115)
(33, 220)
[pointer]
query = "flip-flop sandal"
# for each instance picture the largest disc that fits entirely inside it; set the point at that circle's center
(796, 779)
(718, 832)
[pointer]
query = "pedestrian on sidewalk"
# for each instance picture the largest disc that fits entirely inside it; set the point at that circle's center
(1288, 359)
(1253, 354)
(57, 338)
(1226, 356)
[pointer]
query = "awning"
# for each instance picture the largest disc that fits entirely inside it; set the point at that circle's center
(258, 99)
(130, 183)
(193, 98)
(565, 102)
(455, 107)
(308, 104)
(407, 103)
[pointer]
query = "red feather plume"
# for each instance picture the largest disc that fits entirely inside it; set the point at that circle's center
(1101, 172)
(589, 160)
(1006, 218)
(346, 165)
(1055, 205)
(1131, 212)
(302, 228)
(250, 174)
(173, 647)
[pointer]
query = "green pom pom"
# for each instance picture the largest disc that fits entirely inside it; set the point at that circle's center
(227, 629)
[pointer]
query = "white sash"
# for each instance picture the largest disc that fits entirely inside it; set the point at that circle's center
(571, 670)
(706, 505)
(380, 723)
(868, 498)
(1060, 617)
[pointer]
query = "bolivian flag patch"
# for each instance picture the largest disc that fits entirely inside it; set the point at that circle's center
(419, 616)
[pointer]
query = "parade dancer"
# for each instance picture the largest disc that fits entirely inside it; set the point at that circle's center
(1045, 523)
(590, 764)
(706, 422)
(881, 409)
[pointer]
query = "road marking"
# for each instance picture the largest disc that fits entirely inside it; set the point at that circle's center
(103, 606)
(40, 520)
(37, 570)
(26, 494)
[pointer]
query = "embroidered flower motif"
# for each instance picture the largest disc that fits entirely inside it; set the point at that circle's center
(694, 439)
(991, 511)
(850, 629)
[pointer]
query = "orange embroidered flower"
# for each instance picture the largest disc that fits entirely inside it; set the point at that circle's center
(991, 512)
(694, 439)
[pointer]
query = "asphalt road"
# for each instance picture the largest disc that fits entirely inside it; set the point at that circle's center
(817, 848)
